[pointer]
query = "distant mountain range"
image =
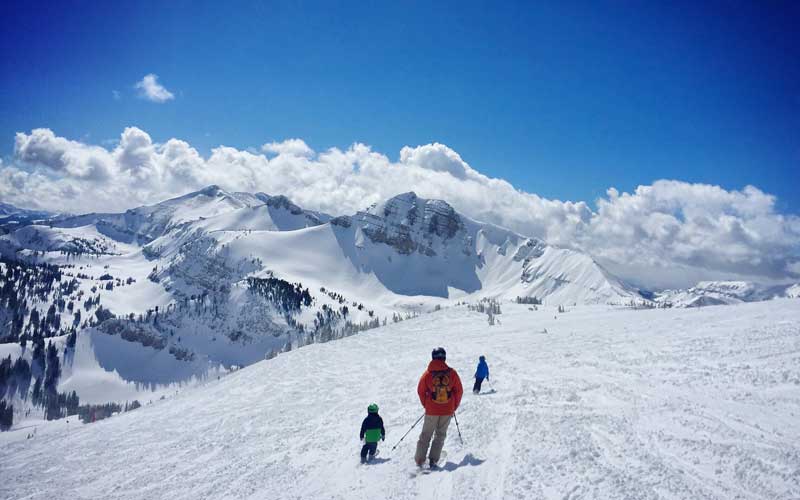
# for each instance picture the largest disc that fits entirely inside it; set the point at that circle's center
(708, 293)
(402, 251)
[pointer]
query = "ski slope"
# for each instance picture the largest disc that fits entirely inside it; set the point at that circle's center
(608, 403)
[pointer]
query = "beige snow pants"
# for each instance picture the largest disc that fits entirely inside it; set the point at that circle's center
(433, 424)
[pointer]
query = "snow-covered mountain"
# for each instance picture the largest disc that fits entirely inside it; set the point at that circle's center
(12, 217)
(409, 245)
(415, 246)
(7, 209)
(212, 280)
(707, 293)
(143, 224)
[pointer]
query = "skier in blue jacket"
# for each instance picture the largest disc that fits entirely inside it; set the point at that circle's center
(481, 373)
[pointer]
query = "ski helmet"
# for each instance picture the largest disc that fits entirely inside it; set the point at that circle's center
(482, 358)
(439, 353)
(373, 408)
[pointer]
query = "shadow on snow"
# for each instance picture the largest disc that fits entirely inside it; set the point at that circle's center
(468, 460)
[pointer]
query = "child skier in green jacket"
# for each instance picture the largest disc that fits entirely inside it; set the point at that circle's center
(372, 431)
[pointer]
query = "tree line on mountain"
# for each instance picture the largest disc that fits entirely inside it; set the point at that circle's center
(331, 324)
(34, 299)
(287, 297)
(490, 307)
(93, 413)
(44, 370)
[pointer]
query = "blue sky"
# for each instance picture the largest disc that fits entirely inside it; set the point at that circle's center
(563, 100)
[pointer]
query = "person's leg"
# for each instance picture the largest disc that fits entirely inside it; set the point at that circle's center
(364, 450)
(438, 439)
(373, 447)
(477, 387)
(480, 381)
(428, 426)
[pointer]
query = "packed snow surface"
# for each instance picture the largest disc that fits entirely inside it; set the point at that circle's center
(598, 403)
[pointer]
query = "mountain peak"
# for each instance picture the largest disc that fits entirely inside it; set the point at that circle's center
(281, 201)
(410, 223)
(407, 196)
(408, 208)
(211, 190)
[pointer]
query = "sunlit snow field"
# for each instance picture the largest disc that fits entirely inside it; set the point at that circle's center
(596, 403)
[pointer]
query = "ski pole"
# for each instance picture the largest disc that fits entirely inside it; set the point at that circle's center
(459, 429)
(490, 383)
(409, 430)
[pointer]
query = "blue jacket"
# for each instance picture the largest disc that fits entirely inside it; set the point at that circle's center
(482, 371)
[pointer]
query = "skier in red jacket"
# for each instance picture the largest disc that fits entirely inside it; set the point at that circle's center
(440, 393)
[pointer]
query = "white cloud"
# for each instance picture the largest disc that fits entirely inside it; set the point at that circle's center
(150, 89)
(291, 147)
(697, 226)
(437, 157)
(62, 156)
(665, 234)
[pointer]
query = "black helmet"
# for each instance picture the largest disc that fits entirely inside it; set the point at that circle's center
(482, 358)
(439, 353)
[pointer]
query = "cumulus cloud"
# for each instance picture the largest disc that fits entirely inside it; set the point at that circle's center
(150, 89)
(670, 233)
(696, 226)
(61, 156)
(437, 157)
(291, 147)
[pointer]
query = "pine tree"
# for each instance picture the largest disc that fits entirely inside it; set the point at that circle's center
(36, 398)
(6, 415)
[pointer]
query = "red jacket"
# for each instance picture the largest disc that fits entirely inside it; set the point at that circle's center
(440, 382)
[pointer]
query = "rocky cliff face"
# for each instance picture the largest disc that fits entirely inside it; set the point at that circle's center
(412, 224)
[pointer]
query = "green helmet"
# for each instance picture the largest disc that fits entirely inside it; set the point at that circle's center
(373, 408)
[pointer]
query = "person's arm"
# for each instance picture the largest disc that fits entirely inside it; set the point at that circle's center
(487, 372)
(422, 389)
(363, 429)
(383, 431)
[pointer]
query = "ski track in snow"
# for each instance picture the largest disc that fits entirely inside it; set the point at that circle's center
(610, 404)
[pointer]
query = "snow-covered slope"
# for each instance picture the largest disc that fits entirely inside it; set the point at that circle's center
(86, 239)
(144, 224)
(726, 292)
(608, 403)
(276, 213)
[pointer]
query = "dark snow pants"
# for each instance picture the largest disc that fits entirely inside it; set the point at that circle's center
(477, 387)
(370, 448)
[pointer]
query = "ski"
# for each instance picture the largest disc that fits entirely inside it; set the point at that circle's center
(426, 468)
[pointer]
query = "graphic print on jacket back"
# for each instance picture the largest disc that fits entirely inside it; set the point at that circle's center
(441, 386)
